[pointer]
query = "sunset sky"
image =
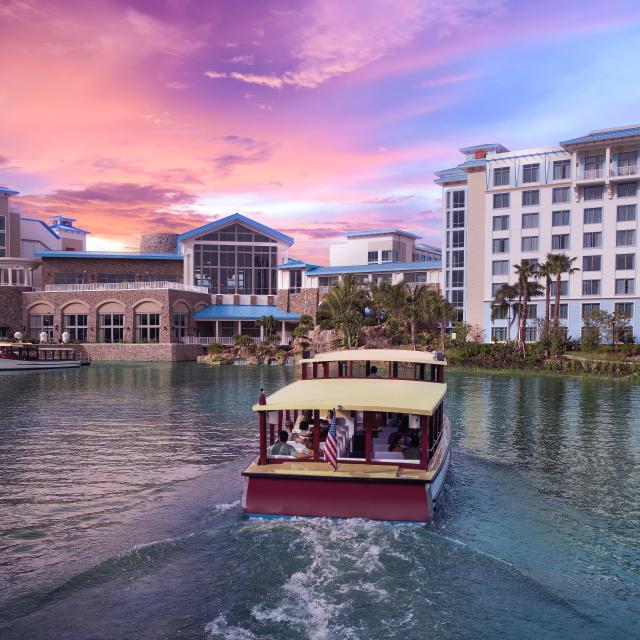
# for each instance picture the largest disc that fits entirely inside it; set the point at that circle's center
(313, 116)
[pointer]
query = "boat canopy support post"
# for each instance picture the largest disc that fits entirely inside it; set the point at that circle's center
(263, 437)
(424, 441)
(368, 418)
(316, 434)
(422, 371)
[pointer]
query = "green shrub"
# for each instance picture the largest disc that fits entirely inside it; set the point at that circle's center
(214, 349)
(243, 341)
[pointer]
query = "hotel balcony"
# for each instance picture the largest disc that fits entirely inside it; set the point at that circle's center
(625, 171)
(124, 286)
(592, 176)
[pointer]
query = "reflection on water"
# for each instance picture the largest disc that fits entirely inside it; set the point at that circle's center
(120, 516)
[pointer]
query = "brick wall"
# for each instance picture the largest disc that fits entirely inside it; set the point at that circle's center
(141, 269)
(11, 315)
(141, 352)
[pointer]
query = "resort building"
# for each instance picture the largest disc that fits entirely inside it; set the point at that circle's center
(580, 197)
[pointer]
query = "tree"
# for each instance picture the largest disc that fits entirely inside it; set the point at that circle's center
(545, 271)
(379, 293)
(344, 305)
(525, 271)
(559, 263)
(441, 311)
(269, 325)
(619, 324)
(305, 324)
(504, 300)
(415, 309)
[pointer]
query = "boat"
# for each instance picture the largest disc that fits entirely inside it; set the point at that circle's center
(373, 393)
(24, 356)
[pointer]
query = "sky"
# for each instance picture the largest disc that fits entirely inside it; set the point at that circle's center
(315, 117)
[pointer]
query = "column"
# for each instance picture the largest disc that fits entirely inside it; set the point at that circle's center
(283, 332)
(217, 329)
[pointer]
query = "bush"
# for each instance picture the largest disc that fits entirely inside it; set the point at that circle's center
(243, 341)
(214, 349)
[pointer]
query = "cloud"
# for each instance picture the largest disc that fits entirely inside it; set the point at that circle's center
(247, 58)
(4, 160)
(178, 86)
(388, 200)
(241, 151)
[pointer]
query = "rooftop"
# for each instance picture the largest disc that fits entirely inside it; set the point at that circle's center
(8, 192)
(600, 135)
(97, 255)
(377, 355)
(380, 232)
(296, 264)
(385, 267)
(243, 312)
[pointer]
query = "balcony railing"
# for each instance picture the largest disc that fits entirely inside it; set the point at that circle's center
(591, 174)
(625, 170)
(125, 286)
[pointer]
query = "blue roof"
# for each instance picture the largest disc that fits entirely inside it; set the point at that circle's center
(378, 232)
(296, 264)
(68, 228)
(236, 217)
(243, 312)
(425, 265)
(611, 134)
(8, 192)
(108, 255)
(452, 177)
(44, 224)
(475, 162)
(484, 147)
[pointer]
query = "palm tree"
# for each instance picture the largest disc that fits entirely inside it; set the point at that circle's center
(415, 310)
(559, 263)
(546, 271)
(268, 324)
(344, 305)
(504, 301)
(525, 271)
(442, 311)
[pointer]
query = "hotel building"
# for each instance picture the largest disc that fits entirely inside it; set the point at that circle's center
(581, 198)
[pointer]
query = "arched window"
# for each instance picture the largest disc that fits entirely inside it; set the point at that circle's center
(147, 322)
(40, 319)
(111, 322)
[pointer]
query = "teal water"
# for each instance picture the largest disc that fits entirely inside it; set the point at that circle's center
(120, 516)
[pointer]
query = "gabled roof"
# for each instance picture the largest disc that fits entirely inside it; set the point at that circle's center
(452, 177)
(108, 255)
(386, 267)
(605, 134)
(64, 227)
(296, 264)
(243, 312)
(380, 232)
(44, 224)
(235, 217)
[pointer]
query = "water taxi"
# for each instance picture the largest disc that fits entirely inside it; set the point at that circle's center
(381, 412)
(24, 356)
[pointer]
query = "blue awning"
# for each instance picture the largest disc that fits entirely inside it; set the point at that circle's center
(244, 312)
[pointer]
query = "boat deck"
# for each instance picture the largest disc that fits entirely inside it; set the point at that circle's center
(344, 470)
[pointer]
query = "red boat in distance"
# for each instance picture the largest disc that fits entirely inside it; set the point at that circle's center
(390, 438)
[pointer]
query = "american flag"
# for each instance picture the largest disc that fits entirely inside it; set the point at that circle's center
(331, 445)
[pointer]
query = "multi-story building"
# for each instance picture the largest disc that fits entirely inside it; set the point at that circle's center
(578, 198)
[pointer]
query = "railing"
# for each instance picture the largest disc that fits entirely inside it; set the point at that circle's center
(224, 341)
(625, 170)
(591, 174)
(125, 286)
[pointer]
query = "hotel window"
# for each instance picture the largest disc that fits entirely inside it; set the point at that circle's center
(501, 200)
(627, 189)
(592, 239)
(39, 322)
(592, 263)
(111, 327)
(76, 324)
(458, 218)
(418, 277)
(499, 334)
(500, 268)
(560, 195)
(501, 176)
(626, 213)
(529, 243)
(458, 200)
(327, 281)
(625, 238)
(179, 324)
(496, 286)
(593, 193)
(457, 239)
(457, 297)
(562, 169)
(563, 311)
(530, 198)
(104, 278)
(501, 245)
(499, 312)
(625, 261)
(531, 172)
(457, 259)
(588, 308)
(564, 288)
(372, 257)
(390, 255)
(147, 327)
(560, 218)
(501, 223)
(379, 278)
(448, 239)
(593, 166)
(531, 334)
(295, 280)
(591, 287)
(624, 308)
(593, 215)
(625, 286)
(627, 163)
(532, 311)
(3, 236)
(457, 278)
(69, 278)
(530, 220)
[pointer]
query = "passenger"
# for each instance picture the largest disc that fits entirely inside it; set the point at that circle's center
(282, 448)
(304, 416)
(395, 443)
(403, 432)
(412, 452)
(373, 372)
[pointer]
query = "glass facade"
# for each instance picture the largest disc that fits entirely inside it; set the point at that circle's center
(454, 257)
(236, 260)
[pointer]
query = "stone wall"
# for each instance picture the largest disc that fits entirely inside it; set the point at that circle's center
(304, 302)
(140, 269)
(11, 316)
(141, 352)
(159, 243)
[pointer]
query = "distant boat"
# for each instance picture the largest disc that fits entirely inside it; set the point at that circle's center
(23, 356)
(393, 443)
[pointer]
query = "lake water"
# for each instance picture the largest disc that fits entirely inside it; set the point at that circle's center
(120, 516)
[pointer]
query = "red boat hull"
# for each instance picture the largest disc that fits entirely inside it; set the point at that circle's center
(404, 501)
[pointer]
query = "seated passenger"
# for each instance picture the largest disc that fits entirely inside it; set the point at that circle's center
(412, 452)
(282, 448)
(303, 418)
(373, 372)
(395, 443)
(403, 432)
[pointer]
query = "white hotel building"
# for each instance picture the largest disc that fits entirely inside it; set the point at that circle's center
(580, 198)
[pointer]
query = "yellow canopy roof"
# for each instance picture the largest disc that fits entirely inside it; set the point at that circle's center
(377, 355)
(358, 394)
